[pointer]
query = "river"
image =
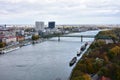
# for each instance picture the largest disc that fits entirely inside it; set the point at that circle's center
(48, 60)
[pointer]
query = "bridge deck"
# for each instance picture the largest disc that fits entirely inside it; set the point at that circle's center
(88, 36)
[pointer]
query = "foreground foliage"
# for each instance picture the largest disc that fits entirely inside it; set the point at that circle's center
(101, 59)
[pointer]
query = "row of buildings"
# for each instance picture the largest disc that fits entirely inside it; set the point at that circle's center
(14, 35)
(40, 26)
(18, 33)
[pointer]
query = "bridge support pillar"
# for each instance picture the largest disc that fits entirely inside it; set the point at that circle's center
(81, 38)
(58, 38)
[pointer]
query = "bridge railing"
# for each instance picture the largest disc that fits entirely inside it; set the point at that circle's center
(89, 36)
(81, 36)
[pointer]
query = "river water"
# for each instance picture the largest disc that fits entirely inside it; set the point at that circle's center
(48, 60)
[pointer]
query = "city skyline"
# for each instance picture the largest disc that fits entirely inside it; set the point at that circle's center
(61, 11)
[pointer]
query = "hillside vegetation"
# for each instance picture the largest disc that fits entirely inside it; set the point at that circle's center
(101, 59)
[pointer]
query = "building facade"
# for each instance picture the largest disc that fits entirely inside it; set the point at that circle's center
(39, 26)
(9, 39)
(51, 25)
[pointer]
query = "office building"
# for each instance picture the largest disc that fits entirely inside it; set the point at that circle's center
(39, 26)
(51, 25)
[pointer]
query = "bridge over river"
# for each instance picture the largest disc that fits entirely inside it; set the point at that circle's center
(81, 36)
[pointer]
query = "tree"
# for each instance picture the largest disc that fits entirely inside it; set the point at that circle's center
(113, 37)
(97, 43)
(87, 77)
(104, 71)
(82, 77)
(78, 78)
(117, 32)
(2, 44)
(114, 52)
(111, 70)
(107, 34)
(106, 60)
(35, 37)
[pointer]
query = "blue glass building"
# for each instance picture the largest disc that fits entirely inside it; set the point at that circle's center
(51, 25)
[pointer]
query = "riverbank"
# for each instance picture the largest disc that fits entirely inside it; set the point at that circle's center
(101, 60)
(15, 47)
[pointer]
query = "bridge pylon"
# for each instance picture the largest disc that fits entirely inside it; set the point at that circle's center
(58, 38)
(81, 38)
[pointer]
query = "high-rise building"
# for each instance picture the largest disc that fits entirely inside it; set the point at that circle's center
(39, 26)
(51, 25)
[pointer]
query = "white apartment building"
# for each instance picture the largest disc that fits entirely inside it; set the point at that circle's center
(39, 26)
(10, 39)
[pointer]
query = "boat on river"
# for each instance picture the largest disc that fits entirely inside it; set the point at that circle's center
(79, 53)
(84, 46)
(73, 61)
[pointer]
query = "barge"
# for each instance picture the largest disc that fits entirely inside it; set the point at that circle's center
(73, 61)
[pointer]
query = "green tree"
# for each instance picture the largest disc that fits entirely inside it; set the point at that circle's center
(35, 37)
(107, 34)
(2, 44)
(111, 70)
(97, 43)
(113, 37)
(104, 71)
(114, 52)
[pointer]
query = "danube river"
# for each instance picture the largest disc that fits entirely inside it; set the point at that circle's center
(48, 60)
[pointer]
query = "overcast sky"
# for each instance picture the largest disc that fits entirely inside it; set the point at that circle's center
(61, 11)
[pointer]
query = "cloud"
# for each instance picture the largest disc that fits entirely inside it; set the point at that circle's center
(57, 10)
